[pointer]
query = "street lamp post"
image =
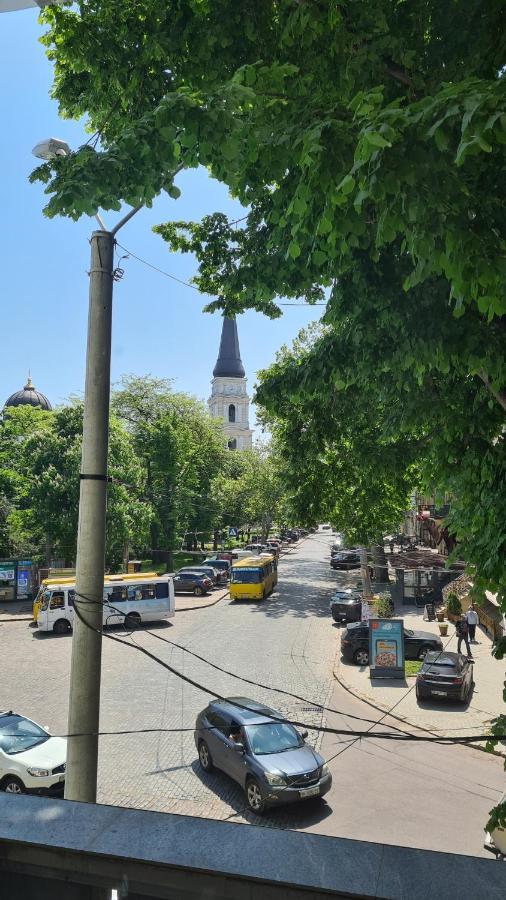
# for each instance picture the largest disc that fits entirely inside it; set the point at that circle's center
(84, 690)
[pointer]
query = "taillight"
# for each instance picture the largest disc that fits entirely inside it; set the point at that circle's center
(345, 643)
(456, 680)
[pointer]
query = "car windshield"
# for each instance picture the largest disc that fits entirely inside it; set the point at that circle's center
(18, 734)
(273, 737)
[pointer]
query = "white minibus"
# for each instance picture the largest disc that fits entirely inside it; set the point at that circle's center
(128, 599)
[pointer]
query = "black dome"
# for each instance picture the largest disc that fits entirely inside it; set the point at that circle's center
(29, 397)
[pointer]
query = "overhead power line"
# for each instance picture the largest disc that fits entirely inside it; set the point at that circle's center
(188, 284)
(391, 735)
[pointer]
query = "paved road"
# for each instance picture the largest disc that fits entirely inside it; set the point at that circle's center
(419, 795)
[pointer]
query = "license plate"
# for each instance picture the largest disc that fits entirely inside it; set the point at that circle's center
(439, 693)
(309, 792)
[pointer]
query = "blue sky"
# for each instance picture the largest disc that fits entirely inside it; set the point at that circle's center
(159, 326)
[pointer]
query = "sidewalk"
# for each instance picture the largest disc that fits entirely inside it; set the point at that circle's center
(444, 718)
(15, 611)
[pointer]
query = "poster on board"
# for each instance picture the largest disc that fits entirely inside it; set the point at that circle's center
(386, 648)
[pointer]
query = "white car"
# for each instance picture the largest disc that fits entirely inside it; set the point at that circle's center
(31, 761)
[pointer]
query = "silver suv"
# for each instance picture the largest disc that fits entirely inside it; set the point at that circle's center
(267, 757)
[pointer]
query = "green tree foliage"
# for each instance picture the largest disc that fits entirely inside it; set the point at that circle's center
(181, 451)
(40, 457)
(250, 490)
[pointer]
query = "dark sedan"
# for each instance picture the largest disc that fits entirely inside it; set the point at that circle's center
(448, 675)
(345, 560)
(355, 643)
(191, 583)
(217, 576)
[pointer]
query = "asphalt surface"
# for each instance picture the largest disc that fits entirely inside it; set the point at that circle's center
(418, 795)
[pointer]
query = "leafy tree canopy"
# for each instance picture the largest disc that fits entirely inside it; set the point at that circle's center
(342, 126)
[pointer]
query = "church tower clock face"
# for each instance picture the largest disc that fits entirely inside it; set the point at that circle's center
(229, 401)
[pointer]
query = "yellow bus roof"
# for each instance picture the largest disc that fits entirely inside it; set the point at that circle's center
(252, 561)
(122, 576)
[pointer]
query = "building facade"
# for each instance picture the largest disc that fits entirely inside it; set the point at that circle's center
(229, 401)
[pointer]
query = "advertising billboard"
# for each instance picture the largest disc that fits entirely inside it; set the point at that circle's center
(386, 648)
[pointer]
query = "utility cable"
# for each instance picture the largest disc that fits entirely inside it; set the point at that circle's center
(281, 719)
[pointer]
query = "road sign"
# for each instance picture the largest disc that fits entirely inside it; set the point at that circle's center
(233, 532)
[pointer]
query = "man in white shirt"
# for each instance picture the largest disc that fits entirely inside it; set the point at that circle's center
(472, 621)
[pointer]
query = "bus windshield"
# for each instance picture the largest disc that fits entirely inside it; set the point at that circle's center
(247, 575)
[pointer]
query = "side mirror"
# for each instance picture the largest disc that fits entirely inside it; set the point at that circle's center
(239, 748)
(470, 660)
(304, 735)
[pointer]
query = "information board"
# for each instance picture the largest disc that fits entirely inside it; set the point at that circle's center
(386, 648)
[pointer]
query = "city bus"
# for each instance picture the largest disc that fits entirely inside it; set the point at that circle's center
(254, 578)
(61, 578)
(128, 599)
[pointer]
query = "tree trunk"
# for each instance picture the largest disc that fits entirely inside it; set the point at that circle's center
(379, 562)
(215, 540)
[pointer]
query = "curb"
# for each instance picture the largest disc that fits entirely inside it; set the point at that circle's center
(27, 618)
(380, 709)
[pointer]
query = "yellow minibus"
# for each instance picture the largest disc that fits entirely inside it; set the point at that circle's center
(254, 578)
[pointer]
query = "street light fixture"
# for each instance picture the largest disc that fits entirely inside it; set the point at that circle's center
(84, 689)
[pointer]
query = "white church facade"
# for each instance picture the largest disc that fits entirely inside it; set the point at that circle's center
(229, 401)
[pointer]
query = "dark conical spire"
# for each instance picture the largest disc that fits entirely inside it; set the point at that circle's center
(229, 363)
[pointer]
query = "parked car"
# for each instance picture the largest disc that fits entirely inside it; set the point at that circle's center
(355, 643)
(268, 758)
(346, 606)
(345, 560)
(191, 582)
(217, 576)
(255, 548)
(222, 565)
(31, 761)
(447, 675)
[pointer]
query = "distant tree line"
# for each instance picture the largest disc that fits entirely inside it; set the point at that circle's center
(173, 482)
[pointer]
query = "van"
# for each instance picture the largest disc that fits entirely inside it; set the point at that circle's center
(127, 600)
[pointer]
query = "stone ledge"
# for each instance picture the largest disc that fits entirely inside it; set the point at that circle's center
(77, 839)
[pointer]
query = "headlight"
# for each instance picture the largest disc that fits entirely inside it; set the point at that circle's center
(325, 769)
(271, 778)
(39, 773)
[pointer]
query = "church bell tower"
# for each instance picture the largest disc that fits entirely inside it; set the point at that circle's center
(229, 401)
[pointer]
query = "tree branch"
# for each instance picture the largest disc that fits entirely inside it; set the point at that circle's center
(500, 396)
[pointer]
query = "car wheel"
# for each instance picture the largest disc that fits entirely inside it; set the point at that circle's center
(423, 652)
(255, 801)
(12, 785)
(361, 657)
(205, 758)
(61, 626)
(132, 621)
(198, 592)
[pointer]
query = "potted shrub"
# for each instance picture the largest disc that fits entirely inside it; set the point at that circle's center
(440, 614)
(443, 629)
(384, 606)
(453, 607)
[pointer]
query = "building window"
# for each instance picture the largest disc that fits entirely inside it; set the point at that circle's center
(231, 413)
(232, 445)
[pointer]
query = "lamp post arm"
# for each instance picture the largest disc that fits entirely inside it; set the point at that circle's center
(126, 218)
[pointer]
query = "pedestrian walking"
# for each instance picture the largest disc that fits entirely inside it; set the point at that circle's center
(472, 621)
(462, 630)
